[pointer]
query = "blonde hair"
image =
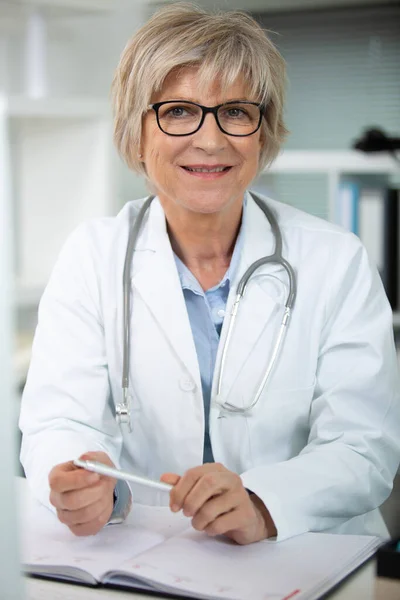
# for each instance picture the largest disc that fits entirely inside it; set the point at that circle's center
(223, 45)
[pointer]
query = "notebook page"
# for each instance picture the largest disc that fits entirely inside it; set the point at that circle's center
(297, 568)
(46, 541)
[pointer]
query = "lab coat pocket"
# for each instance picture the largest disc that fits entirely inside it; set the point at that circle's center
(278, 427)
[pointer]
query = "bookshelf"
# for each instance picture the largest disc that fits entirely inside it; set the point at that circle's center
(61, 162)
(61, 165)
(337, 165)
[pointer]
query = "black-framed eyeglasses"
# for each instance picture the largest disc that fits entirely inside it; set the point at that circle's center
(181, 117)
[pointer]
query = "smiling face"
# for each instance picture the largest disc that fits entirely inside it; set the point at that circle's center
(205, 172)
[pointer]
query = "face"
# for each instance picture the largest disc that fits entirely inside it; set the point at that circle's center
(169, 160)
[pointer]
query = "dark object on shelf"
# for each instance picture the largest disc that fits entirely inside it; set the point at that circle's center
(391, 247)
(388, 560)
(376, 140)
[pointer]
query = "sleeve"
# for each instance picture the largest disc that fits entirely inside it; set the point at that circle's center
(66, 407)
(122, 503)
(353, 449)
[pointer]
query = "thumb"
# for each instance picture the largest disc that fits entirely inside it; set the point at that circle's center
(170, 478)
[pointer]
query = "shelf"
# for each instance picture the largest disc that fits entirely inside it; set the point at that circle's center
(323, 161)
(63, 107)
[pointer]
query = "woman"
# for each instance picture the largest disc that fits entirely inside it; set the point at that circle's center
(198, 109)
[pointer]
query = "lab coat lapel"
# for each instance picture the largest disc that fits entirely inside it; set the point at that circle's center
(261, 306)
(155, 278)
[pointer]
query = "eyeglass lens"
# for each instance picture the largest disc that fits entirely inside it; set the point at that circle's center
(180, 118)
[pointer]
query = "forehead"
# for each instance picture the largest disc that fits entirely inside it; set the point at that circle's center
(184, 84)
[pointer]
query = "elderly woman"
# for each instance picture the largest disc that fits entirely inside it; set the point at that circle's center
(267, 421)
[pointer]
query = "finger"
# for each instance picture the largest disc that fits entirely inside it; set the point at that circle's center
(188, 481)
(67, 480)
(78, 499)
(213, 509)
(92, 527)
(170, 478)
(103, 458)
(225, 523)
(83, 515)
(97, 456)
(91, 456)
(208, 486)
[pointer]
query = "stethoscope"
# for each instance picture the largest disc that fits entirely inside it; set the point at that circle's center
(122, 409)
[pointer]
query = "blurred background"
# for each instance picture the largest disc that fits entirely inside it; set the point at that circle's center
(57, 162)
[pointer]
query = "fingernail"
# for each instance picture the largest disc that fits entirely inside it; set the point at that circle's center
(174, 508)
(93, 477)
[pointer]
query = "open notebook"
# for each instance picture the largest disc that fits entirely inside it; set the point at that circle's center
(158, 550)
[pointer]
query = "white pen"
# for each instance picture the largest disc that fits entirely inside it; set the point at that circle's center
(97, 467)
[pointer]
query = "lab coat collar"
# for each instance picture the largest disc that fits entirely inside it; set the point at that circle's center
(155, 278)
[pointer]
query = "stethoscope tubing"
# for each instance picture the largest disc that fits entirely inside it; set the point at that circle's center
(123, 408)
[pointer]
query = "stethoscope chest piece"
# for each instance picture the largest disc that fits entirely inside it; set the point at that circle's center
(123, 412)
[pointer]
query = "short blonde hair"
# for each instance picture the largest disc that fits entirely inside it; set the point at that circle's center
(223, 45)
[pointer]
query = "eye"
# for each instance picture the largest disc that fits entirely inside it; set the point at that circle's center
(235, 112)
(178, 111)
(241, 113)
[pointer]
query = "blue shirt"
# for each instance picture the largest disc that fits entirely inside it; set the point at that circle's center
(206, 311)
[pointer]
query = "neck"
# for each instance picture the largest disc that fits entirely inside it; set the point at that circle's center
(204, 242)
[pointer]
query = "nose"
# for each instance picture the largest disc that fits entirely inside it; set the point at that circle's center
(209, 137)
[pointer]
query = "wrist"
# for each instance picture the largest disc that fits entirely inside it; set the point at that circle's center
(267, 525)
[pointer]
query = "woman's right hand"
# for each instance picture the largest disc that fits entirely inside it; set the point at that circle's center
(84, 501)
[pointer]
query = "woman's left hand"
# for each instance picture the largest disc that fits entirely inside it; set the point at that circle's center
(219, 504)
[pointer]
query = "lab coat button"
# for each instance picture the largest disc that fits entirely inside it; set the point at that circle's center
(187, 384)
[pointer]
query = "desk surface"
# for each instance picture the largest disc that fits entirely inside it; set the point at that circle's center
(361, 586)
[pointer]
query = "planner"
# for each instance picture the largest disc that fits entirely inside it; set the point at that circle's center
(160, 551)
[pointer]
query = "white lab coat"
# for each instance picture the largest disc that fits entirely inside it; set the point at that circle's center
(321, 447)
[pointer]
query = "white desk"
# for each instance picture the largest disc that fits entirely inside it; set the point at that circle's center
(361, 586)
